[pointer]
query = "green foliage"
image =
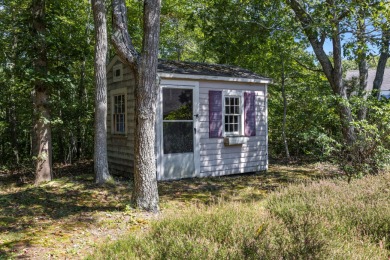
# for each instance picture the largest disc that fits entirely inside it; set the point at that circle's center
(69, 80)
(370, 153)
(323, 220)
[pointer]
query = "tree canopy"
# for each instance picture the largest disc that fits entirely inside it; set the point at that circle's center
(271, 38)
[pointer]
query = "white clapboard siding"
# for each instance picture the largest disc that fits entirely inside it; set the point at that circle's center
(231, 150)
(245, 160)
(233, 171)
(223, 156)
(216, 159)
(223, 167)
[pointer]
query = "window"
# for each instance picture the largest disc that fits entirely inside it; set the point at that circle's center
(117, 73)
(232, 113)
(119, 114)
(232, 117)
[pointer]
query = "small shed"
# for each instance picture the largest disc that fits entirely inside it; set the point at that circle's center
(211, 120)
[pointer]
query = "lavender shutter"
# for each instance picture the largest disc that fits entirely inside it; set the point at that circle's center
(249, 114)
(215, 114)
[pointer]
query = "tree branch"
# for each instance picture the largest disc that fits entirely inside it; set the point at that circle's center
(306, 67)
(120, 38)
(317, 45)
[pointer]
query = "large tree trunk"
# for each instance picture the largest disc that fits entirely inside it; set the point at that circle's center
(42, 126)
(363, 65)
(100, 149)
(380, 70)
(145, 193)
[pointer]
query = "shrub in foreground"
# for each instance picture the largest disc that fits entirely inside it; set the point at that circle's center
(327, 219)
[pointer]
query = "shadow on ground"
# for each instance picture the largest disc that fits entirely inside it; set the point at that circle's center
(242, 187)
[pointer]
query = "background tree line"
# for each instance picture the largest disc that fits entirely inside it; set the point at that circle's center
(271, 38)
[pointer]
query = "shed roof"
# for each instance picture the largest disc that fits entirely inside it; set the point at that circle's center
(205, 71)
(196, 68)
(371, 76)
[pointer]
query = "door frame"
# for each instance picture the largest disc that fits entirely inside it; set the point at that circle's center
(180, 84)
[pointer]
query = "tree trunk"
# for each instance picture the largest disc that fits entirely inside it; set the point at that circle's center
(81, 90)
(363, 66)
(145, 193)
(42, 126)
(340, 89)
(100, 149)
(380, 70)
(284, 112)
(12, 106)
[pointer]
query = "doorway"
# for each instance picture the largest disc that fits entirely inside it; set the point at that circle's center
(178, 132)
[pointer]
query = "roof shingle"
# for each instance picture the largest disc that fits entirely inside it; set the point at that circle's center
(195, 68)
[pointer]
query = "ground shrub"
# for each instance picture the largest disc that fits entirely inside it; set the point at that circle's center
(322, 220)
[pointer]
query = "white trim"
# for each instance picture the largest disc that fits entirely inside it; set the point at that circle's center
(194, 85)
(116, 78)
(215, 78)
(115, 92)
(233, 93)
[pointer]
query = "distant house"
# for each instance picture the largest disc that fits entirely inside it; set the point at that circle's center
(385, 88)
(211, 120)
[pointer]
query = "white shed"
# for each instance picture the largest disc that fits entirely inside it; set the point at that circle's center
(211, 120)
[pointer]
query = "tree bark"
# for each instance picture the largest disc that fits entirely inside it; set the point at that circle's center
(11, 111)
(43, 171)
(363, 65)
(380, 70)
(145, 193)
(100, 149)
(284, 112)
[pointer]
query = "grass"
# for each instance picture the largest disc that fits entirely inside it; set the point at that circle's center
(72, 217)
(328, 219)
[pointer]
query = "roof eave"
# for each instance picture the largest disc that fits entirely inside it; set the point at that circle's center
(214, 78)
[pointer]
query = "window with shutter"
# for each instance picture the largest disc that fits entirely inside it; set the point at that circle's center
(232, 113)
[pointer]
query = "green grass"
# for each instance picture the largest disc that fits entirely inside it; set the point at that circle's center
(322, 220)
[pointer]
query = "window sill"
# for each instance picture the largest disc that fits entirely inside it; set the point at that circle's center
(235, 140)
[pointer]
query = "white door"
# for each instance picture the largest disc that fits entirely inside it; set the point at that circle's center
(178, 126)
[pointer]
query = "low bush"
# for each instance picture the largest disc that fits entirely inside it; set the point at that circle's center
(322, 220)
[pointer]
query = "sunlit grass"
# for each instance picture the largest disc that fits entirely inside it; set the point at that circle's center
(320, 220)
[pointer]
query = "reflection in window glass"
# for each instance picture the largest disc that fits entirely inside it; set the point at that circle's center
(177, 104)
(178, 137)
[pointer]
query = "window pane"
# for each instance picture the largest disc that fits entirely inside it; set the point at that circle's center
(119, 113)
(177, 104)
(235, 127)
(178, 137)
(227, 101)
